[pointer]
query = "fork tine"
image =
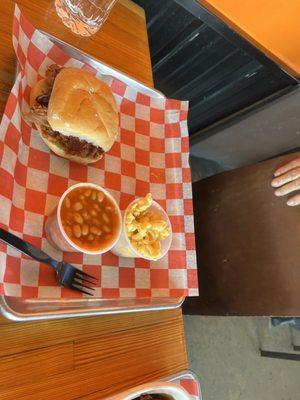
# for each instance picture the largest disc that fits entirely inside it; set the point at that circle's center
(82, 277)
(78, 282)
(79, 272)
(80, 290)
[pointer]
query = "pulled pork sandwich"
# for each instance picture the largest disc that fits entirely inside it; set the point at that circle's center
(75, 114)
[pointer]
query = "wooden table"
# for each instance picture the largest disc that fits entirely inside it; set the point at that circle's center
(87, 358)
(122, 42)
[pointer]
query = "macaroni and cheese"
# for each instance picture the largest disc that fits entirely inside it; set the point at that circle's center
(146, 228)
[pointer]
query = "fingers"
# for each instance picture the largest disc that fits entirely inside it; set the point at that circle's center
(294, 201)
(287, 167)
(288, 188)
(289, 176)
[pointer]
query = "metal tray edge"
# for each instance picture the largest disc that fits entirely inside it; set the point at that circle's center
(84, 57)
(14, 315)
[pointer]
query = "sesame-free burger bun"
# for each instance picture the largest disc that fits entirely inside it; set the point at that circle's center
(40, 88)
(83, 106)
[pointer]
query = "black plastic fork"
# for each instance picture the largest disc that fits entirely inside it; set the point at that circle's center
(67, 275)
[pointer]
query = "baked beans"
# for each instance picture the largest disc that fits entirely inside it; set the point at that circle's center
(89, 218)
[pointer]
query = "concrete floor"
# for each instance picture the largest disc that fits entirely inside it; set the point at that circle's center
(223, 351)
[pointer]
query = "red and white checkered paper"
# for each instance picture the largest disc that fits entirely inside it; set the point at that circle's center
(150, 155)
(191, 384)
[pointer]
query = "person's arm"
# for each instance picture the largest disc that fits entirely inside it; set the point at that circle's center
(287, 180)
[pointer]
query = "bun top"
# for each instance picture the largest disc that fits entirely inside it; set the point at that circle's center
(83, 106)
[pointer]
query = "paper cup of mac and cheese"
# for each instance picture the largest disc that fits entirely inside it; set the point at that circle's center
(146, 231)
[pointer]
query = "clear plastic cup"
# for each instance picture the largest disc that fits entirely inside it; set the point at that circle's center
(84, 17)
(56, 235)
(124, 248)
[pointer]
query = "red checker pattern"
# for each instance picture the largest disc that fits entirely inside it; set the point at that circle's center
(157, 116)
(157, 175)
(157, 145)
(12, 270)
(127, 137)
(128, 107)
(144, 293)
(128, 168)
(110, 259)
(78, 172)
(27, 28)
(7, 184)
(174, 160)
(16, 27)
(142, 157)
(153, 155)
(190, 241)
(58, 56)
(188, 207)
(186, 175)
(20, 173)
(177, 259)
(11, 105)
(172, 130)
(35, 56)
(191, 386)
(57, 185)
(112, 180)
(192, 278)
(174, 190)
(143, 99)
(142, 126)
(35, 201)
(118, 87)
(29, 292)
(26, 133)
(141, 188)
(126, 278)
(16, 221)
(39, 160)
(111, 293)
(159, 278)
(21, 56)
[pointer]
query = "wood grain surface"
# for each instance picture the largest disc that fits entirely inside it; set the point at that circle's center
(87, 358)
(122, 42)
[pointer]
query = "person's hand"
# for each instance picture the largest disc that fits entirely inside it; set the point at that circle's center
(287, 180)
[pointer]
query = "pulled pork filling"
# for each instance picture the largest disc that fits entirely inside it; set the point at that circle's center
(71, 144)
(38, 115)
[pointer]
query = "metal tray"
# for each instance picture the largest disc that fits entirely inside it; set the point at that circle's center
(18, 309)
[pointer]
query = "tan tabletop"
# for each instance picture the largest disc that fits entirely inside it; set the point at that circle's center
(87, 358)
(122, 42)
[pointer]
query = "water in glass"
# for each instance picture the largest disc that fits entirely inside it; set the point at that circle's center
(84, 17)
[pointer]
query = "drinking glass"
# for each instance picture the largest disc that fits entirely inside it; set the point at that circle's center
(84, 17)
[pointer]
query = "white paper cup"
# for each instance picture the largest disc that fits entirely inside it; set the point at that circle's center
(124, 248)
(56, 235)
(170, 390)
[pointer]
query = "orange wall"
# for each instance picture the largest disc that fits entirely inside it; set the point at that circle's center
(271, 25)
